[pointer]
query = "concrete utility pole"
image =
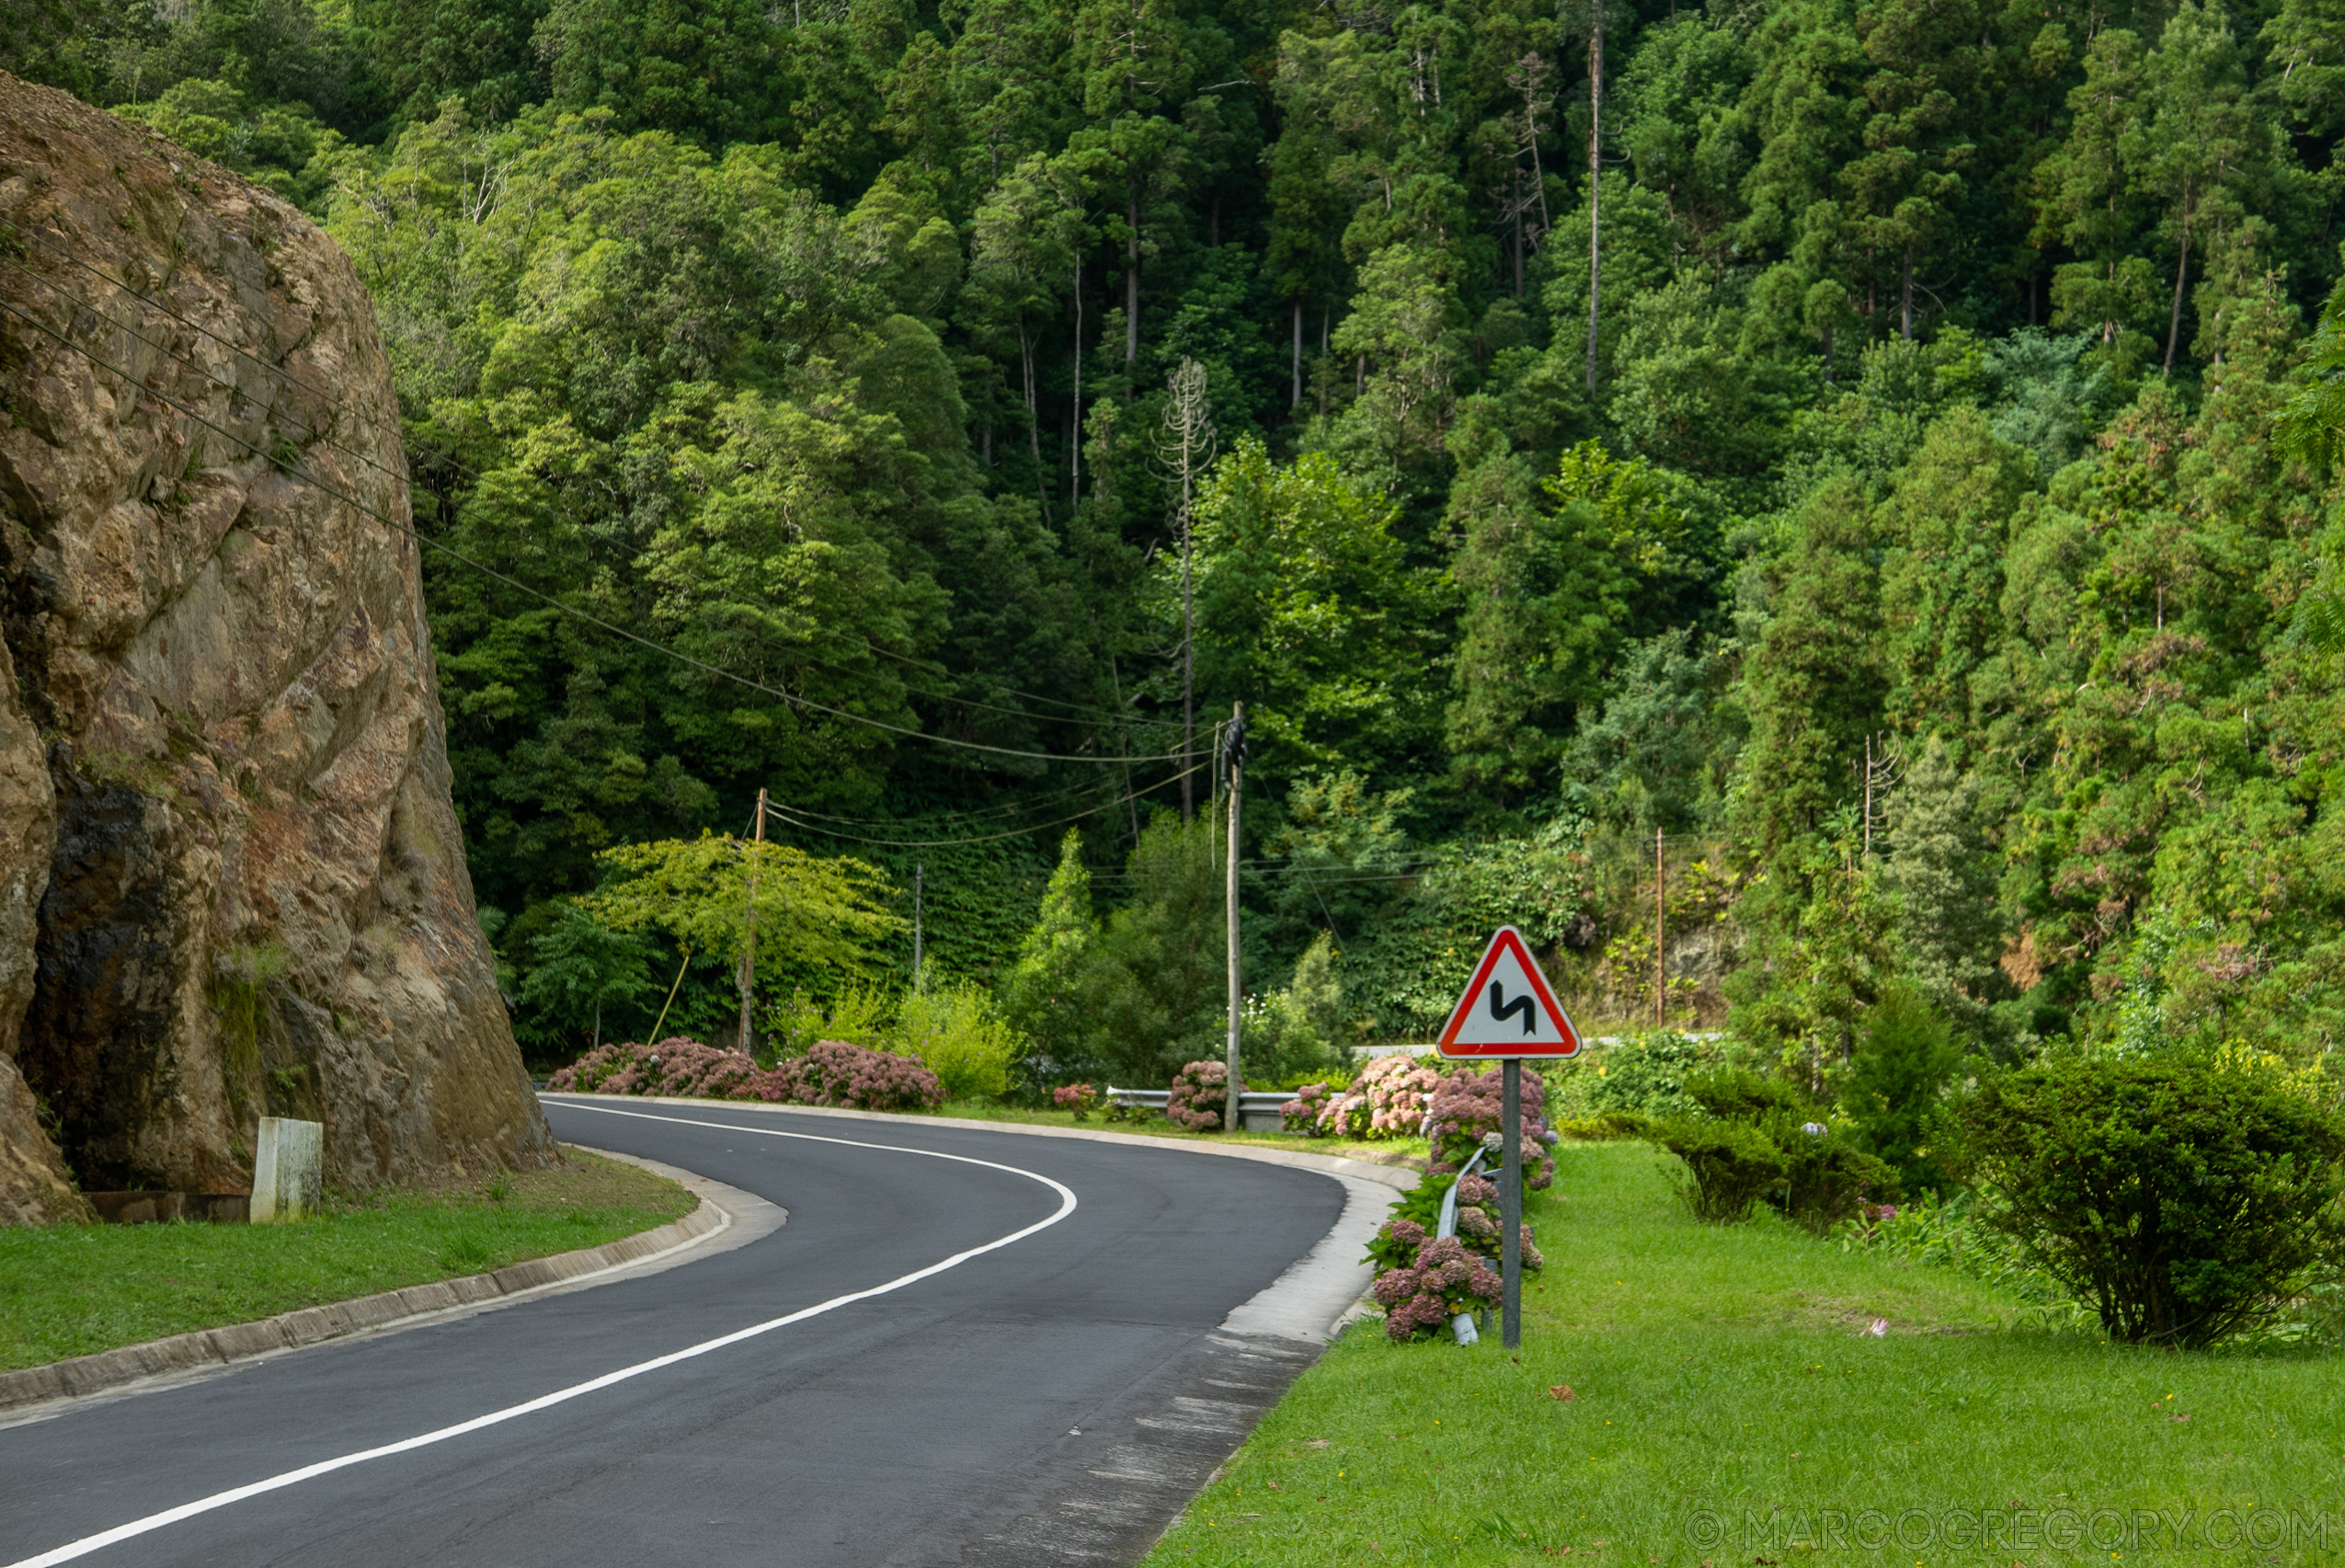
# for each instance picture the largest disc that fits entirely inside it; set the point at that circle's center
(1660, 933)
(1233, 756)
(749, 937)
(920, 892)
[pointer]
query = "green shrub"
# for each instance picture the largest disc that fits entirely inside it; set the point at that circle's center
(2186, 1203)
(1643, 1072)
(1826, 1177)
(1761, 1137)
(858, 1015)
(1905, 1054)
(1733, 1165)
(1738, 1095)
(965, 1041)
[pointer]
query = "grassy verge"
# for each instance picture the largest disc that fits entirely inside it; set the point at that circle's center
(1382, 1151)
(1729, 1408)
(72, 1290)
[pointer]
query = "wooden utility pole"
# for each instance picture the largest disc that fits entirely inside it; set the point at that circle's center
(748, 935)
(1660, 933)
(920, 892)
(1233, 752)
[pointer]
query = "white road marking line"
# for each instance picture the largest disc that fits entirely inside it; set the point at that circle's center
(90, 1543)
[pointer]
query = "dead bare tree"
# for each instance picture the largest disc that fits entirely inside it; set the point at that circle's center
(1184, 446)
(1529, 78)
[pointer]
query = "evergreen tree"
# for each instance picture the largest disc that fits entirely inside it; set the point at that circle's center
(1041, 999)
(1941, 869)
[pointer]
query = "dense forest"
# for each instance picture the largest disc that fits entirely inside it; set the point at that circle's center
(1864, 460)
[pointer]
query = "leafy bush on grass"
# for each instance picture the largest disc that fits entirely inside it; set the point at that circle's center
(1199, 1095)
(956, 1030)
(2184, 1202)
(1292, 1031)
(1761, 1138)
(1079, 1098)
(1731, 1166)
(836, 1073)
(1905, 1054)
(861, 1015)
(1644, 1073)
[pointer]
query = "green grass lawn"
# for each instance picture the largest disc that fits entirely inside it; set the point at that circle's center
(1731, 1409)
(73, 1289)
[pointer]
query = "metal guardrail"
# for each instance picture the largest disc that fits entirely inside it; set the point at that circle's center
(1257, 1108)
(1462, 1325)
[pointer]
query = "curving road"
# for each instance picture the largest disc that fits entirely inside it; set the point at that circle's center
(1014, 1356)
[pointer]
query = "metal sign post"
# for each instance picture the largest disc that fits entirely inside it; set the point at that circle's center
(1510, 1209)
(1509, 1011)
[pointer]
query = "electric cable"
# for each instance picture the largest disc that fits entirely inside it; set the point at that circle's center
(793, 699)
(465, 470)
(986, 838)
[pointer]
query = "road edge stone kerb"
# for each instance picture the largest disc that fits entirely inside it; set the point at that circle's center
(1317, 1296)
(723, 1218)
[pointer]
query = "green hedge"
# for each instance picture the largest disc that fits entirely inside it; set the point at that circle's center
(2186, 1203)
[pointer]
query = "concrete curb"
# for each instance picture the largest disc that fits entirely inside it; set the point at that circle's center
(720, 1210)
(1317, 1297)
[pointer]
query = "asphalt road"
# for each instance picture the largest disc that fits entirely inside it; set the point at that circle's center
(1052, 1399)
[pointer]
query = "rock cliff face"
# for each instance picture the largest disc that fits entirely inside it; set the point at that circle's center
(231, 880)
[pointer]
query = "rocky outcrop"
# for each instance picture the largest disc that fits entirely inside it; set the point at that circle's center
(232, 883)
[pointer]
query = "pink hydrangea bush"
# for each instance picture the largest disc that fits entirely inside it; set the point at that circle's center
(1387, 1100)
(833, 1073)
(675, 1066)
(1442, 1280)
(1469, 1106)
(1401, 1243)
(1397, 1091)
(1199, 1093)
(1077, 1097)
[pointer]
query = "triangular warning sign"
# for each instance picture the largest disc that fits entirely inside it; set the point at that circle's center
(1508, 1009)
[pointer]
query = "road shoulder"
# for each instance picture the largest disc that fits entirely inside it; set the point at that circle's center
(724, 1217)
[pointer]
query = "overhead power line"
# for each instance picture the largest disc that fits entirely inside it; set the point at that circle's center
(984, 837)
(466, 470)
(587, 617)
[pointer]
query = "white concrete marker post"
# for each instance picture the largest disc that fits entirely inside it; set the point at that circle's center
(1509, 1011)
(288, 1174)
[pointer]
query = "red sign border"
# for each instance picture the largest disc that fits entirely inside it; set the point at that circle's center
(1507, 937)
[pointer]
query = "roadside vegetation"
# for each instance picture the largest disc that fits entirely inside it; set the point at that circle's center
(73, 1290)
(1873, 524)
(1762, 1373)
(1856, 577)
